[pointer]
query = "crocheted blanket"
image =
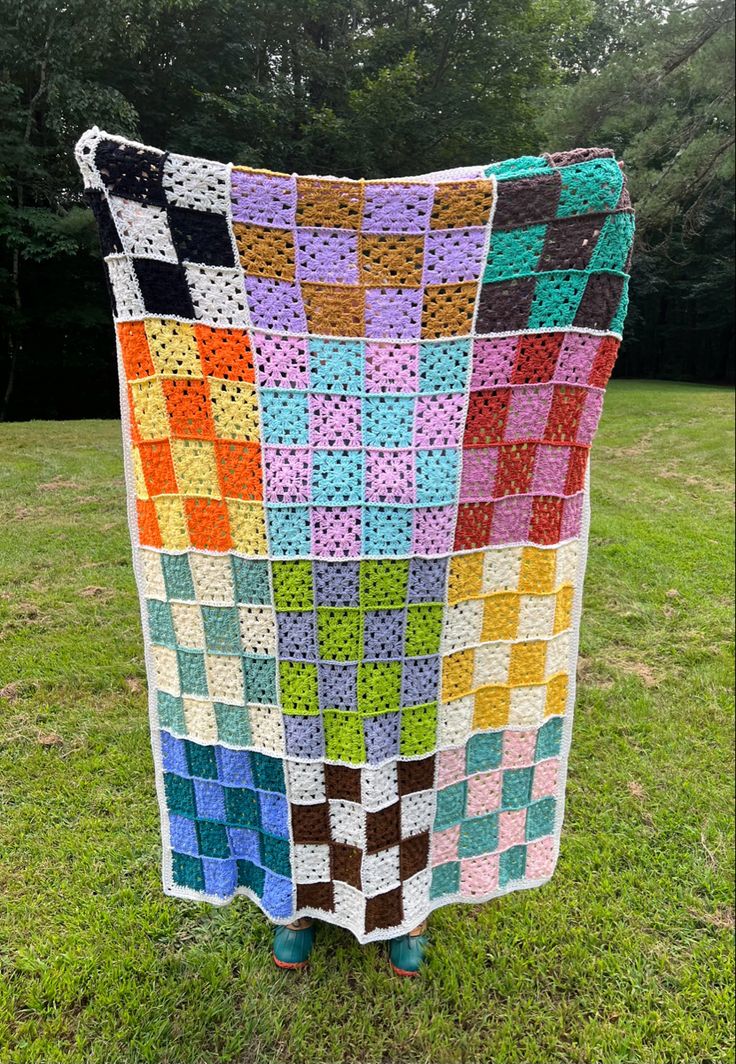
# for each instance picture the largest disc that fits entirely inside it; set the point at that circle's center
(357, 418)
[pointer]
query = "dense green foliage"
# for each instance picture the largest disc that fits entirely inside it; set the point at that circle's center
(625, 957)
(360, 87)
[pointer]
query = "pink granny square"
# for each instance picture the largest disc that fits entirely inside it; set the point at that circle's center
(451, 767)
(391, 367)
(540, 858)
(282, 361)
(528, 410)
(590, 417)
(511, 519)
(493, 362)
(336, 531)
(550, 469)
(434, 528)
(389, 476)
(572, 516)
(576, 358)
(334, 421)
(478, 474)
(479, 875)
(511, 828)
(444, 845)
(484, 793)
(439, 420)
(544, 784)
(518, 748)
(287, 474)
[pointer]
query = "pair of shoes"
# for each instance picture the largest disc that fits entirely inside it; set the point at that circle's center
(407, 953)
(292, 946)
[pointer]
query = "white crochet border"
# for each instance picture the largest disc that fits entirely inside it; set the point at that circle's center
(173, 890)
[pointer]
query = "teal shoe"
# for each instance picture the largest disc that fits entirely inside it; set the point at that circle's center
(291, 949)
(407, 953)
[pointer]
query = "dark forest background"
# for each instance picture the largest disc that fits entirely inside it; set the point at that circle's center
(361, 87)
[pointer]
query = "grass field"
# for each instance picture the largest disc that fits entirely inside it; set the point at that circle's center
(626, 956)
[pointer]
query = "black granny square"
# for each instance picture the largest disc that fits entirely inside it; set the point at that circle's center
(201, 236)
(164, 288)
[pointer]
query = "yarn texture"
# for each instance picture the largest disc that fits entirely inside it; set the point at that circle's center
(357, 418)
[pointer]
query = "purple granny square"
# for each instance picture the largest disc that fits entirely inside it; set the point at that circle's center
(282, 361)
(453, 255)
(262, 199)
(550, 470)
(493, 362)
(393, 312)
(337, 583)
(338, 684)
(479, 474)
(511, 520)
(528, 411)
(336, 531)
(334, 421)
(382, 737)
(304, 737)
(427, 578)
(434, 528)
(297, 635)
(275, 304)
(287, 473)
(396, 208)
(327, 255)
(383, 634)
(391, 367)
(420, 681)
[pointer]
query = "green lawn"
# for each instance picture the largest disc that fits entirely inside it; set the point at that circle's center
(625, 956)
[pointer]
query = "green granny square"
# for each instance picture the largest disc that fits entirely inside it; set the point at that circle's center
(160, 624)
(179, 795)
(515, 253)
(483, 752)
(221, 629)
(213, 841)
(251, 877)
(292, 585)
(379, 686)
(540, 818)
(418, 730)
(299, 690)
(339, 632)
(423, 629)
(344, 736)
(383, 584)
(201, 760)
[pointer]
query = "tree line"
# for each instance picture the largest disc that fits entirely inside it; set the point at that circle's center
(369, 88)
